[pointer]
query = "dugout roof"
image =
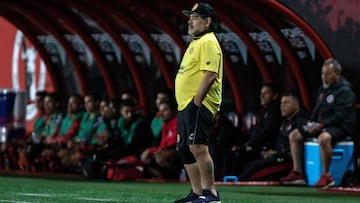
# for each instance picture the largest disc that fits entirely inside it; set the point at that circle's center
(117, 44)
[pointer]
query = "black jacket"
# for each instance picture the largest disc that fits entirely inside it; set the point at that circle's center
(282, 143)
(267, 129)
(335, 107)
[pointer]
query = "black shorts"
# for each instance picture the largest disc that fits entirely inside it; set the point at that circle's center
(337, 134)
(194, 124)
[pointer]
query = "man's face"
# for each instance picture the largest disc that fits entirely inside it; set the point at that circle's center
(127, 113)
(104, 108)
(39, 102)
(288, 106)
(267, 96)
(112, 110)
(49, 105)
(329, 76)
(197, 24)
(74, 104)
(159, 97)
(165, 111)
(90, 104)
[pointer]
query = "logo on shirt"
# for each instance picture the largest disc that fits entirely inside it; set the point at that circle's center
(288, 128)
(207, 63)
(191, 136)
(330, 98)
(191, 50)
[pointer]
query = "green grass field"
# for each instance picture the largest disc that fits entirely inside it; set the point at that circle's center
(17, 189)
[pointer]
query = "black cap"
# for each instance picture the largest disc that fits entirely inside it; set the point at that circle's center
(202, 9)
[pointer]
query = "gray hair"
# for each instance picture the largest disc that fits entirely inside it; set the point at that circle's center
(335, 63)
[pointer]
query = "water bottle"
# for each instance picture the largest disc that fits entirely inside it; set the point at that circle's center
(3, 135)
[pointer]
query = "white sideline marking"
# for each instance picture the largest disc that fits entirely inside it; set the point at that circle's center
(46, 195)
(51, 195)
(36, 194)
(96, 199)
(12, 201)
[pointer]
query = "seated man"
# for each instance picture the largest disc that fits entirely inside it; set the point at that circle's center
(90, 121)
(157, 120)
(134, 131)
(122, 135)
(162, 161)
(81, 126)
(333, 119)
(31, 148)
(122, 143)
(107, 137)
(265, 131)
(39, 121)
(54, 116)
(294, 117)
(68, 128)
(70, 124)
(103, 141)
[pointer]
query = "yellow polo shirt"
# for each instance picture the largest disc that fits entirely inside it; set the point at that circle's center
(202, 54)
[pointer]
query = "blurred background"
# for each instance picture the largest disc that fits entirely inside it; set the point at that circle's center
(109, 46)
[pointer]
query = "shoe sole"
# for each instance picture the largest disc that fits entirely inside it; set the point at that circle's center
(186, 201)
(328, 185)
(215, 201)
(295, 182)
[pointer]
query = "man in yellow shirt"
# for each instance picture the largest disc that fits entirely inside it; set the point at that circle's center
(198, 89)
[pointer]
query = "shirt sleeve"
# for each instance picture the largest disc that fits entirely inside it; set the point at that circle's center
(211, 57)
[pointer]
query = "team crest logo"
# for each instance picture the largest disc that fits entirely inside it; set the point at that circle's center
(330, 98)
(288, 128)
(207, 63)
(195, 7)
(191, 50)
(35, 74)
(191, 136)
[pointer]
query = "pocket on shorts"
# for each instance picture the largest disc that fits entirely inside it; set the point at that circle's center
(193, 105)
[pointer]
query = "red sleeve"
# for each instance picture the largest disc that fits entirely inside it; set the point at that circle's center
(55, 132)
(152, 150)
(74, 129)
(169, 134)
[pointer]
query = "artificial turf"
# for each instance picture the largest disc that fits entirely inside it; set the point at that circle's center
(36, 189)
